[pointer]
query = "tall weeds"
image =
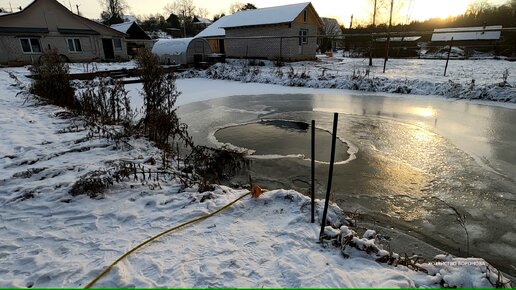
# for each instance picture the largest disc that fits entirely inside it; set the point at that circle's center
(106, 102)
(160, 121)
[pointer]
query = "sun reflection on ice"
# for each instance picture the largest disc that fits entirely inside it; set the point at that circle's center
(427, 112)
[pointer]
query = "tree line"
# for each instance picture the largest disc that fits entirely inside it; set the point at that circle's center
(179, 15)
(479, 13)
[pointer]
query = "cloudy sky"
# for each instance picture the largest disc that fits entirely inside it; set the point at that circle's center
(340, 9)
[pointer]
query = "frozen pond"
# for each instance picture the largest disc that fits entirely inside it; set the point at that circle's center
(411, 154)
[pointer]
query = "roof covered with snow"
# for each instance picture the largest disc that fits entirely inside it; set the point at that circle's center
(129, 18)
(215, 29)
(122, 27)
(399, 39)
(203, 20)
(468, 33)
(264, 16)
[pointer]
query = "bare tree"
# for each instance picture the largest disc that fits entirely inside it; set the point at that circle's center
(375, 6)
(239, 6)
(331, 29)
(182, 8)
(221, 14)
(185, 11)
(476, 8)
(113, 10)
(202, 12)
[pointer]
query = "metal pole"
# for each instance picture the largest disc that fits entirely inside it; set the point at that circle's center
(312, 190)
(330, 173)
(448, 58)
(374, 26)
(371, 51)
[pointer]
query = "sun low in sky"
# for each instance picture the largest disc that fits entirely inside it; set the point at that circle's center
(407, 10)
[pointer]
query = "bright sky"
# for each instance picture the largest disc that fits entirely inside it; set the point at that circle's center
(340, 9)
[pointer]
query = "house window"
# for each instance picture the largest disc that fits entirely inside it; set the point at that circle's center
(303, 39)
(30, 45)
(74, 45)
(305, 16)
(117, 42)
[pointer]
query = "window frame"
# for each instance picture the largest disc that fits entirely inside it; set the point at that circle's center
(305, 15)
(115, 40)
(76, 45)
(30, 42)
(303, 36)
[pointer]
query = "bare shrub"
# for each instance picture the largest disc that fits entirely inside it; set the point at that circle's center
(93, 184)
(214, 165)
(52, 82)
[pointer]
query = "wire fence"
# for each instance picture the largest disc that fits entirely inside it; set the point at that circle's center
(418, 44)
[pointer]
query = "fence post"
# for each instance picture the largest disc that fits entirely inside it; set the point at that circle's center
(330, 173)
(312, 190)
(448, 58)
(371, 51)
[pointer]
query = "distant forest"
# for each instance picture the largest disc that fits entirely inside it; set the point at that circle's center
(479, 13)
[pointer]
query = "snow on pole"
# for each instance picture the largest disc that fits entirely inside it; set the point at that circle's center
(330, 172)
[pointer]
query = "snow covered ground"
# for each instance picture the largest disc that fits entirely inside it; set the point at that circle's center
(49, 238)
(493, 80)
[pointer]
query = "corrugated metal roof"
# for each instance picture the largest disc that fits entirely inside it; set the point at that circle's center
(265, 16)
(468, 33)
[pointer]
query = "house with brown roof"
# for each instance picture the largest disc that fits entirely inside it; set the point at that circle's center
(46, 24)
(286, 32)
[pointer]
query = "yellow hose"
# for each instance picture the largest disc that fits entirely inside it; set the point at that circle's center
(110, 267)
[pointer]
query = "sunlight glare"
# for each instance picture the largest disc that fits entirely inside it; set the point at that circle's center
(424, 112)
(424, 9)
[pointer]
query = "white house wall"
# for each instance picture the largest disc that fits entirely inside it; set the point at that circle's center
(48, 14)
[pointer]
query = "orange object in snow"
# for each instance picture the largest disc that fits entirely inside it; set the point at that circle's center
(256, 191)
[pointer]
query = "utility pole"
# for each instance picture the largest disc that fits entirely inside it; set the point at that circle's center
(10, 6)
(78, 12)
(388, 38)
(372, 40)
(351, 23)
(70, 3)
